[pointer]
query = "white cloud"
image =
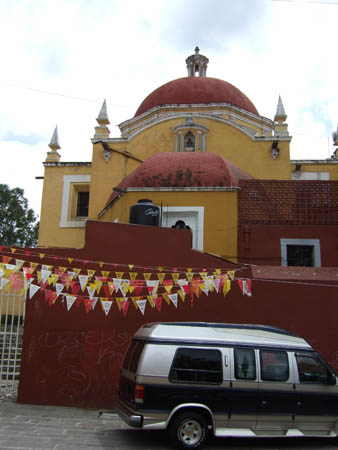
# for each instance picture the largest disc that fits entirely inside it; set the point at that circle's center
(122, 51)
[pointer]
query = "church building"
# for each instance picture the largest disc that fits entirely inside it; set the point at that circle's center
(197, 154)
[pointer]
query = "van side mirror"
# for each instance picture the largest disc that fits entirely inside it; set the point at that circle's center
(331, 378)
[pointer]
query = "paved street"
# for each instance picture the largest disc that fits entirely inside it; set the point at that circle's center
(28, 427)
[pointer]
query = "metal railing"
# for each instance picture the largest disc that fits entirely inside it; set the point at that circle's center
(12, 309)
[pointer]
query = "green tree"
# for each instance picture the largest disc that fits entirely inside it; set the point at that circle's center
(18, 222)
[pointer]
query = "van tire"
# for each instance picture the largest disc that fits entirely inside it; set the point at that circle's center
(189, 430)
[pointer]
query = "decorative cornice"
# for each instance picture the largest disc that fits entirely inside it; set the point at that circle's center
(67, 164)
(314, 161)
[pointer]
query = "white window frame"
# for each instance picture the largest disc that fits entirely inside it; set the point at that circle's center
(199, 211)
(315, 243)
(68, 180)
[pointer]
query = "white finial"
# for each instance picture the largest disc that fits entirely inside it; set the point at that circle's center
(280, 113)
(54, 142)
(102, 118)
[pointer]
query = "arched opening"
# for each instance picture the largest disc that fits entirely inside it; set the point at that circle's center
(189, 142)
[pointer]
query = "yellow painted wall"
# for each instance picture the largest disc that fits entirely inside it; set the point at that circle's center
(50, 233)
(220, 215)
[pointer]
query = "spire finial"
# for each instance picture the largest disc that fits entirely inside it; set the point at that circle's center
(102, 118)
(54, 142)
(197, 63)
(54, 145)
(280, 115)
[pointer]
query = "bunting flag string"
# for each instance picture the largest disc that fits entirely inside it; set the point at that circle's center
(19, 256)
(125, 285)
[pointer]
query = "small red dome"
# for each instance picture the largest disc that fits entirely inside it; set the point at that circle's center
(196, 90)
(183, 170)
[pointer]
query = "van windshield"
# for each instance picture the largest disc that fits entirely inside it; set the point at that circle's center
(133, 355)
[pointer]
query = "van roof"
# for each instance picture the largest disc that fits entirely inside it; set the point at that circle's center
(220, 333)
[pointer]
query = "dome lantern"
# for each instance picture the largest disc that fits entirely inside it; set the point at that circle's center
(197, 64)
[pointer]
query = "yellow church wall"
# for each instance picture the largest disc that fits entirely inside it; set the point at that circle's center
(50, 232)
(107, 175)
(254, 157)
(220, 215)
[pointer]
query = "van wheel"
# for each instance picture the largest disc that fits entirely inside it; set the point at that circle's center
(189, 430)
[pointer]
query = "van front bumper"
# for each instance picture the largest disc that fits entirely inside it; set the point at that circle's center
(128, 415)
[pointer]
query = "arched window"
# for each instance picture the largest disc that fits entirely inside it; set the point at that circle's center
(189, 142)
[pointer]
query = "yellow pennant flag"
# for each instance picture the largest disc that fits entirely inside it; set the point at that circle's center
(161, 277)
(13, 250)
(118, 301)
(98, 285)
(150, 299)
(130, 266)
(54, 278)
(231, 274)
(189, 269)
(175, 276)
(133, 275)
(147, 275)
(204, 275)
(33, 266)
(42, 255)
(168, 288)
(105, 273)
(217, 272)
(166, 298)
(70, 260)
(76, 271)
(101, 264)
(182, 295)
(189, 276)
(226, 286)
(160, 268)
(91, 273)
(62, 269)
(111, 287)
(119, 274)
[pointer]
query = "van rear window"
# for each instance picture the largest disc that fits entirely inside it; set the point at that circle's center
(197, 366)
(133, 355)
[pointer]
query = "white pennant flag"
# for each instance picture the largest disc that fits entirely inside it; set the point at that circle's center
(83, 281)
(26, 283)
(94, 302)
(45, 274)
(117, 284)
(19, 263)
(173, 298)
(91, 292)
(70, 299)
(10, 267)
(72, 274)
(216, 284)
(3, 282)
(182, 282)
(33, 290)
(142, 305)
(59, 288)
(154, 284)
(2, 273)
(106, 305)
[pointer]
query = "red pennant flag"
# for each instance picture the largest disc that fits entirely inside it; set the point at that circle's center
(75, 287)
(106, 290)
(124, 307)
(158, 303)
(87, 304)
(27, 252)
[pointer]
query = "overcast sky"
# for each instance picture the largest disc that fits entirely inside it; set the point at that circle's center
(60, 59)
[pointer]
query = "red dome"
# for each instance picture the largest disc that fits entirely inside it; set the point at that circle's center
(183, 170)
(196, 90)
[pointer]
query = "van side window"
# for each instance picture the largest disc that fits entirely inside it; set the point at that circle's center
(133, 355)
(192, 365)
(245, 364)
(274, 365)
(310, 369)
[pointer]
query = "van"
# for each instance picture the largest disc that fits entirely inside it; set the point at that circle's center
(196, 378)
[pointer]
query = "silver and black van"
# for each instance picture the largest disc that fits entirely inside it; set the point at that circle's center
(230, 380)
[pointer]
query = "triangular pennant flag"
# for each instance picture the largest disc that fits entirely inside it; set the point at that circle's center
(231, 274)
(76, 272)
(33, 266)
(124, 306)
(106, 305)
(70, 299)
(6, 259)
(13, 250)
(133, 275)
(146, 275)
(101, 264)
(62, 269)
(91, 273)
(3, 282)
(152, 286)
(216, 284)
(91, 291)
(130, 266)
(245, 286)
(59, 288)
(33, 290)
(168, 284)
(75, 287)
(226, 286)
(83, 279)
(119, 274)
(42, 255)
(105, 273)
(142, 305)
(150, 299)
(182, 295)
(45, 274)
(70, 260)
(190, 276)
(94, 301)
(87, 304)
(173, 298)
(161, 277)
(175, 276)
(19, 263)
(158, 303)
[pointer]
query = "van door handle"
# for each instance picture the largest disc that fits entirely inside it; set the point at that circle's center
(264, 403)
